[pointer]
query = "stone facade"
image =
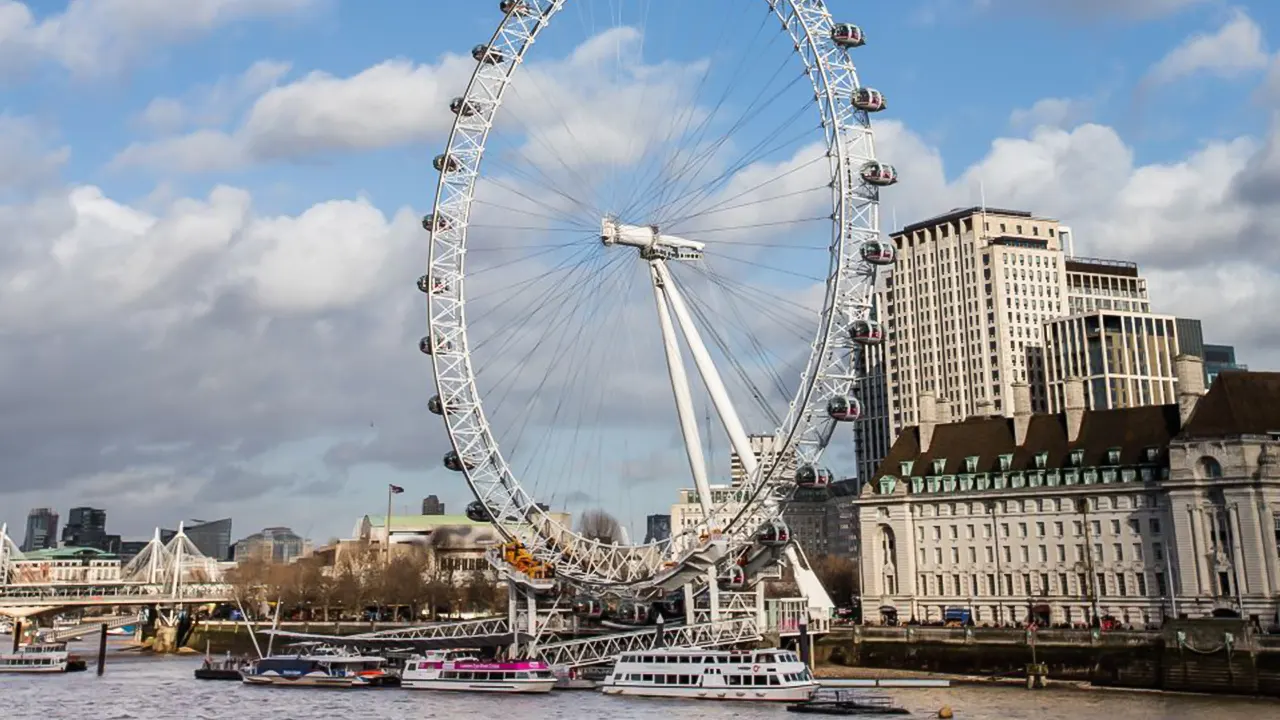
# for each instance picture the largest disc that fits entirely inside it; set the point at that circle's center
(1137, 514)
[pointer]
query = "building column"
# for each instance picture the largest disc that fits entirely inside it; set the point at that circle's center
(1189, 590)
(1269, 569)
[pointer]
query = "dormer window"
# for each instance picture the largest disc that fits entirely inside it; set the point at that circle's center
(1151, 454)
(939, 464)
(971, 464)
(1077, 457)
(1041, 459)
(1005, 461)
(905, 467)
(1113, 456)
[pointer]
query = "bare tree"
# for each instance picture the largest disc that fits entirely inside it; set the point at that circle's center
(839, 575)
(599, 525)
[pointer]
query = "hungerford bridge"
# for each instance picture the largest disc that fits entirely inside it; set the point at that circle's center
(540, 620)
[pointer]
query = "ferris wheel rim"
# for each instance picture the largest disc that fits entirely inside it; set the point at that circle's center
(512, 509)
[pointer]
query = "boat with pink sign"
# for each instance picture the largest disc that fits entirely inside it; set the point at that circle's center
(462, 671)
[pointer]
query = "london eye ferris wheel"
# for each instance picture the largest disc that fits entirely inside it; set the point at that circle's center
(628, 184)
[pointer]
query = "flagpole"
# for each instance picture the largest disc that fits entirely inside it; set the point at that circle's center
(386, 525)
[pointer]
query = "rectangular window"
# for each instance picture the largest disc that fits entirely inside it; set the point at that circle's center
(1004, 529)
(1008, 555)
(1039, 529)
(1137, 551)
(1097, 528)
(1118, 550)
(968, 532)
(1142, 584)
(1154, 523)
(1115, 527)
(991, 585)
(955, 555)
(1022, 553)
(937, 532)
(954, 532)
(1097, 552)
(991, 555)
(1008, 583)
(1062, 584)
(937, 555)
(1062, 553)
(1161, 590)
(1101, 587)
(1121, 588)
(1057, 529)
(1044, 554)
(973, 555)
(1135, 526)
(1022, 529)
(1077, 528)
(1157, 551)
(1026, 584)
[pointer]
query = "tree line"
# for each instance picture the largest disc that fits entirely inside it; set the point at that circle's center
(363, 585)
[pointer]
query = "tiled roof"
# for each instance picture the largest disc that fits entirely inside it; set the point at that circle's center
(1133, 430)
(1238, 403)
(68, 553)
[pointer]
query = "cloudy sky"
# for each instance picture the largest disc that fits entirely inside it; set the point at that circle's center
(209, 224)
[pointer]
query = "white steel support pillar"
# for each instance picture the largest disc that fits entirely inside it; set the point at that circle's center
(680, 385)
(710, 376)
(513, 619)
(713, 594)
(532, 628)
(689, 617)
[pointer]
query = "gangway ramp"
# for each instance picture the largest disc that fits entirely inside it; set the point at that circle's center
(486, 632)
(89, 628)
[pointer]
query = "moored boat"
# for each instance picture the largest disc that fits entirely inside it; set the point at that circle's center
(332, 671)
(461, 671)
(757, 675)
(40, 658)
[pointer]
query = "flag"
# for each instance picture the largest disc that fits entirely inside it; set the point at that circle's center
(396, 489)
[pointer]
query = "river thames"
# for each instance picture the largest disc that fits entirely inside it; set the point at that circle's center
(148, 688)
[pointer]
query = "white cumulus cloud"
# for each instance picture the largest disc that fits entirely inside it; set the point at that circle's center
(1235, 48)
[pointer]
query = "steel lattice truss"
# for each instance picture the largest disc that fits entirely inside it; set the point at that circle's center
(831, 368)
(438, 631)
(594, 651)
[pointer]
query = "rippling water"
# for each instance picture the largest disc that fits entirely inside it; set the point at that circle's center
(145, 688)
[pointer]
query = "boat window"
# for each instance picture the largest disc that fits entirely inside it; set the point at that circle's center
(764, 658)
(647, 677)
(773, 680)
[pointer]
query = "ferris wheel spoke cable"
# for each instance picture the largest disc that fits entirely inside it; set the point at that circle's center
(530, 133)
(709, 328)
(525, 211)
(559, 212)
(690, 196)
(758, 186)
(555, 290)
(696, 163)
(789, 324)
(747, 289)
(690, 140)
(542, 180)
(674, 223)
(577, 353)
(644, 184)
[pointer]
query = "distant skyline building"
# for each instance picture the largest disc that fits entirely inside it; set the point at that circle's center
(42, 530)
(1126, 358)
(872, 435)
(431, 505)
(213, 538)
(657, 528)
(765, 448)
(1191, 337)
(1218, 358)
(1098, 284)
(87, 527)
(273, 544)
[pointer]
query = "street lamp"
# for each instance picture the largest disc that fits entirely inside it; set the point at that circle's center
(1082, 507)
(995, 541)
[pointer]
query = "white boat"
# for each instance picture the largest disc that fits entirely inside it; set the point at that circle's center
(455, 670)
(36, 658)
(758, 675)
(321, 670)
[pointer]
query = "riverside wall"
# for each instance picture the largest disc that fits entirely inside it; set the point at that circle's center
(220, 637)
(1214, 656)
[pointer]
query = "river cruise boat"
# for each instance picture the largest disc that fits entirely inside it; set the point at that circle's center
(331, 671)
(40, 658)
(462, 671)
(758, 675)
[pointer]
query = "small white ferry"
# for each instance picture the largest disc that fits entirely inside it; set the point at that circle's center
(36, 658)
(461, 670)
(760, 675)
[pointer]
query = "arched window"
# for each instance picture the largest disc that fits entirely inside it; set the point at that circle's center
(1208, 468)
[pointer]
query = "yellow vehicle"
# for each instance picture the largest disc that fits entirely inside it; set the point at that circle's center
(517, 556)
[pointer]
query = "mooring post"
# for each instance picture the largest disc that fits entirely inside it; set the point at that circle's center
(658, 639)
(102, 650)
(806, 655)
(17, 634)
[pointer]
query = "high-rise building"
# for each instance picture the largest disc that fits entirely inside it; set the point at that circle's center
(273, 544)
(1097, 284)
(657, 528)
(964, 306)
(1218, 358)
(1125, 358)
(1191, 338)
(766, 450)
(212, 538)
(431, 505)
(871, 431)
(42, 530)
(806, 517)
(86, 527)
